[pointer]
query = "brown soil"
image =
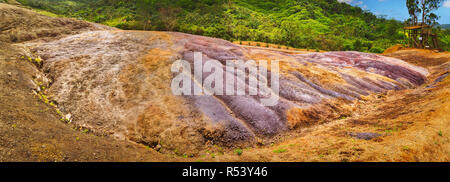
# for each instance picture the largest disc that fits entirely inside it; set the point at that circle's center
(19, 25)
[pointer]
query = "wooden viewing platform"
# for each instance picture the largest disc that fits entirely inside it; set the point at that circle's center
(416, 27)
(420, 35)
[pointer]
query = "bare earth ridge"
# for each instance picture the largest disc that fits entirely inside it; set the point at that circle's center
(118, 82)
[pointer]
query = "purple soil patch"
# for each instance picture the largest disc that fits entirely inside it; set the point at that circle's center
(234, 131)
(365, 136)
(366, 62)
(439, 79)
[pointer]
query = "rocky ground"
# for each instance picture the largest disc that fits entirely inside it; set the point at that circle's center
(78, 91)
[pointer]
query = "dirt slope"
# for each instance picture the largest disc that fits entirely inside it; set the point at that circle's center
(32, 131)
(19, 25)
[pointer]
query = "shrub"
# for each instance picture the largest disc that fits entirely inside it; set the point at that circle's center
(357, 45)
(238, 151)
(376, 50)
(347, 47)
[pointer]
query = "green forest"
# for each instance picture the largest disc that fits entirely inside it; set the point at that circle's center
(319, 24)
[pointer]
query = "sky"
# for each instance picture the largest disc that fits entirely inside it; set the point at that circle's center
(397, 8)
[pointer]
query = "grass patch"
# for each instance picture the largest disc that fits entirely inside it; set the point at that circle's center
(46, 13)
(280, 150)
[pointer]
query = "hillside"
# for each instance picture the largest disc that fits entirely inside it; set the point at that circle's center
(320, 24)
(79, 91)
(446, 26)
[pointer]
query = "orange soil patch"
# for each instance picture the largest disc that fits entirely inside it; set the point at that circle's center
(392, 49)
(421, 57)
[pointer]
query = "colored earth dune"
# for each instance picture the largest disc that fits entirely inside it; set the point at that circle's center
(118, 83)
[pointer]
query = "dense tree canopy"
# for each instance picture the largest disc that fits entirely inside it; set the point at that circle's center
(318, 24)
(425, 8)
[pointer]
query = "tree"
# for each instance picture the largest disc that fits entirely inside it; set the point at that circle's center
(428, 6)
(431, 19)
(357, 45)
(169, 17)
(413, 10)
(145, 11)
(425, 7)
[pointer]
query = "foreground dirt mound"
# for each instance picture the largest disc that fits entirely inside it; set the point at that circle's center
(118, 83)
(30, 129)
